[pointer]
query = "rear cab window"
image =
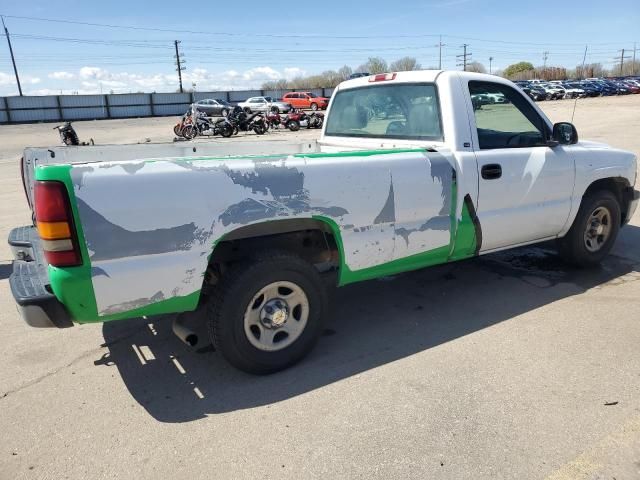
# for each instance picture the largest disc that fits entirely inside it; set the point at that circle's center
(400, 111)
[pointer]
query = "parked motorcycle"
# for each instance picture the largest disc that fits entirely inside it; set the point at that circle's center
(204, 127)
(299, 118)
(68, 135)
(243, 122)
(274, 120)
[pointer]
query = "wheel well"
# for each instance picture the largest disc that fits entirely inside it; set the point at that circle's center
(310, 239)
(619, 186)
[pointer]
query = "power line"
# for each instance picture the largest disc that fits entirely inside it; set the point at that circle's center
(464, 58)
(622, 58)
(179, 61)
(440, 45)
(310, 36)
(13, 60)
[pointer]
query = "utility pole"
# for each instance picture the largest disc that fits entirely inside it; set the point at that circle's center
(490, 62)
(179, 62)
(440, 45)
(545, 56)
(622, 57)
(464, 58)
(633, 64)
(13, 60)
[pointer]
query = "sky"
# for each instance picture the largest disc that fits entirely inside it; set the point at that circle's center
(239, 45)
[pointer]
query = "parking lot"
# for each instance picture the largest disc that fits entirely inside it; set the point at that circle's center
(534, 375)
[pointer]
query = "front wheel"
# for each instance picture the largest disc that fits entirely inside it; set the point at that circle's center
(594, 230)
(293, 125)
(267, 313)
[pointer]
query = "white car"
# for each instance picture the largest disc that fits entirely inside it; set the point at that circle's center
(264, 104)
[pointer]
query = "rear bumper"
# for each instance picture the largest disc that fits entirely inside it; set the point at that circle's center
(29, 283)
(633, 204)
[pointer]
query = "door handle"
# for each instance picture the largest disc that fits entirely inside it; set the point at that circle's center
(491, 171)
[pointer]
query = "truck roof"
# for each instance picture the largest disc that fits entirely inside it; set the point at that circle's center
(418, 76)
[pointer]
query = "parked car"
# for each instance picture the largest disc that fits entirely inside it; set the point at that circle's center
(306, 100)
(265, 104)
(259, 239)
(534, 93)
(214, 107)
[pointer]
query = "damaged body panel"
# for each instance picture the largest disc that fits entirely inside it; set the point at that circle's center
(403, 210)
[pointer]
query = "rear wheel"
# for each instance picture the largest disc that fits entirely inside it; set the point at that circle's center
(594, 230)
(224, 112)
(293, 125)
(267, 314)
(314, 106)
(226, 130)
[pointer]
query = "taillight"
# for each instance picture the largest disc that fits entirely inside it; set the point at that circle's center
(382, 77)
(55, 224)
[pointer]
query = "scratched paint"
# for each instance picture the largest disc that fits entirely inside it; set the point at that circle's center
(150, 226)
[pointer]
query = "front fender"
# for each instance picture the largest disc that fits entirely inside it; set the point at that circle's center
(597, 161)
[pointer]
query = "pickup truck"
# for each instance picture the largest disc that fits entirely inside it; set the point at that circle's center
(409, 172)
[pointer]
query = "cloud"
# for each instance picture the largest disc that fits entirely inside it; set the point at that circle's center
(6, 79)
(93, 80)
(61, 75)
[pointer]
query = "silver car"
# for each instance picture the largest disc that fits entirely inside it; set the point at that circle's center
(264, 104)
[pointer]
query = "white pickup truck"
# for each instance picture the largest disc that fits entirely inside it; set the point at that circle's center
(409, 172)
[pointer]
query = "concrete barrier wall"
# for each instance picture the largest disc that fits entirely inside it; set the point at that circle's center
(59, 108)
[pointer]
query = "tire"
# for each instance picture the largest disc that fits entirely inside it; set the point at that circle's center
(177, 130)
(260, 129)
(189, 132)
(581, 248)
(293, 125)
(239, 303)
(224, 112)
(247, 110)
(314, 107)
(226, 130)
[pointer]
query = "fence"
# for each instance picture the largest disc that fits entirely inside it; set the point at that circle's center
(57, 108)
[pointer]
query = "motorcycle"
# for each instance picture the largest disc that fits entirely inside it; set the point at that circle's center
(68, 135)
(204, 127)
(299, 118)
(241, 121)
(274, 120)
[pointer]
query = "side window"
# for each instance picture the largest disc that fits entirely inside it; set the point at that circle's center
(504, 118)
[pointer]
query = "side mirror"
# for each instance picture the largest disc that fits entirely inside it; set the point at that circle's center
(565, 133)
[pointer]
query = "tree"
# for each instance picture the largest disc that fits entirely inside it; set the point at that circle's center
(476, 67)
(517, 68)
(345, 72)
(374, 65)
(405, 64)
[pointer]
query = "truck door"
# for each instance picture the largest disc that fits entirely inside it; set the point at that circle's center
(525, 186)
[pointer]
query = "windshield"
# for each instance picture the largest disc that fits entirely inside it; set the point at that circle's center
(404, 111)
(312, 95)
(268, 99)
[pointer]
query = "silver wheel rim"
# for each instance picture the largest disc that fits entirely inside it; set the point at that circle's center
(276, 316)
(598, 229)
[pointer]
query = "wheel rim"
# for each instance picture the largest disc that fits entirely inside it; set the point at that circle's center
(598, 229)
(276, 316)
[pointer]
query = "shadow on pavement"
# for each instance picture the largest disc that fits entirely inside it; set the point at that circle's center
(374, 323)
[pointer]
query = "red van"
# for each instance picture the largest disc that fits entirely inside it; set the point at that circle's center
(306, 100)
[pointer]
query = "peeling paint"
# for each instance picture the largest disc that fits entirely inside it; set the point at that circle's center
(388, 212)
(109, 241)
(183, 206)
